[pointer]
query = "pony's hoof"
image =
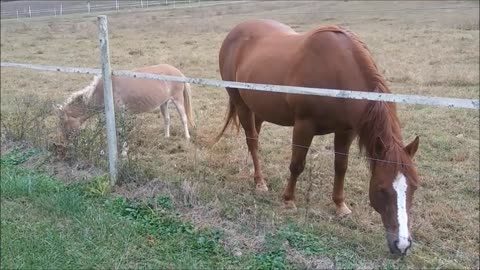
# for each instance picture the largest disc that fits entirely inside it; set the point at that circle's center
(261, 188)
(343, 211)
(290, 205)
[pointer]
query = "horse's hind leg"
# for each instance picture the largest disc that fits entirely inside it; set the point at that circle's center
(178, 102)
(342, 142)
(252, 128)
(166, 117)
(303, 132)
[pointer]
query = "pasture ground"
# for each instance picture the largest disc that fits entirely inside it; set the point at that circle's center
(419, 49)
(49, 225)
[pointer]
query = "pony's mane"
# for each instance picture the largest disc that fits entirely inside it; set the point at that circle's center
(84, 94)
(379, 124)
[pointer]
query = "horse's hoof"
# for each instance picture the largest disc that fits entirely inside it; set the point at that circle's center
(343, 211)
(290, 205)
(261, 188)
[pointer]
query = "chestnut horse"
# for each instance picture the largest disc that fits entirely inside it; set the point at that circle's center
(269, 52)
(130, 95)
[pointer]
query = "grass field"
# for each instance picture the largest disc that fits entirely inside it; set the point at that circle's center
(48, 225)
(420, 50)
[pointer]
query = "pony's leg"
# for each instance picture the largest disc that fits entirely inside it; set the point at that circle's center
(123, 136)
(252, 128)
(183, 116)
(342, 142)
(166, 118)
(124, 153)
(303, 132)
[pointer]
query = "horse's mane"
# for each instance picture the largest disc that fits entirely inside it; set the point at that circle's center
(84, 95)
(379, 124)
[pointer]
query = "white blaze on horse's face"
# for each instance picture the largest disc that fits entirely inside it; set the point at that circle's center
(393, 202)
(403, 241)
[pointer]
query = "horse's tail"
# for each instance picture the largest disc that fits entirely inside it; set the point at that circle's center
(231, 117)
(187, 99)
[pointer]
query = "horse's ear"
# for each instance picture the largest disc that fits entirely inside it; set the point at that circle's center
(412, 148)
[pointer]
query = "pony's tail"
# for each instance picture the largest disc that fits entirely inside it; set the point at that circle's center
(187, 97)
(231, 117)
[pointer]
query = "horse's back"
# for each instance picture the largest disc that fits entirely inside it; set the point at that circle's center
(321, 58)
(143, 95)
(241, 38)
(164, 69)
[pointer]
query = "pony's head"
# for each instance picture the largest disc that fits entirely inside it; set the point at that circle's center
(392, 186)
(75, 110)
(69, 125)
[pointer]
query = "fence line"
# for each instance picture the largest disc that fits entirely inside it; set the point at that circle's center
(182, 4)
(335, 93)
(197, 3)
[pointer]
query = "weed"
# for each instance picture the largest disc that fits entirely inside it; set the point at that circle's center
(99, 186)
(165, 202)
(16, 156)
(26, 121)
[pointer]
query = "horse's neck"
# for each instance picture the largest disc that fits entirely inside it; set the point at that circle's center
(379, 131)
(88, 99)
(81, 109)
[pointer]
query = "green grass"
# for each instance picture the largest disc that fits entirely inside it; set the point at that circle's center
(46, 224)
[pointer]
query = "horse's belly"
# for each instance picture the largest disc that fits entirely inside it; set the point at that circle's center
(270, 107)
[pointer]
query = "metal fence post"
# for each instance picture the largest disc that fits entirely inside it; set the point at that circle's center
(108, 98)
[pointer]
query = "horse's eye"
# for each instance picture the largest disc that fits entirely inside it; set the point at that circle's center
(384, 194)
(382, 190)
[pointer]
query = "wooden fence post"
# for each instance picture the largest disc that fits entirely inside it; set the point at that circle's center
(108, 98)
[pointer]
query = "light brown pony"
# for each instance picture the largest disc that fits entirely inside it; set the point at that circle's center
(264, 51)
(130, 95)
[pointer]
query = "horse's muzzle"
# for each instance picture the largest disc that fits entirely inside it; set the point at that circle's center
(398, 248)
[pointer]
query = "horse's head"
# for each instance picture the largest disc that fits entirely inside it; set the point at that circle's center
(391, 193)
(68, 124)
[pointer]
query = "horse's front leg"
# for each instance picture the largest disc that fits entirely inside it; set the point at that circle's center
(342, 143)
(303, 132)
